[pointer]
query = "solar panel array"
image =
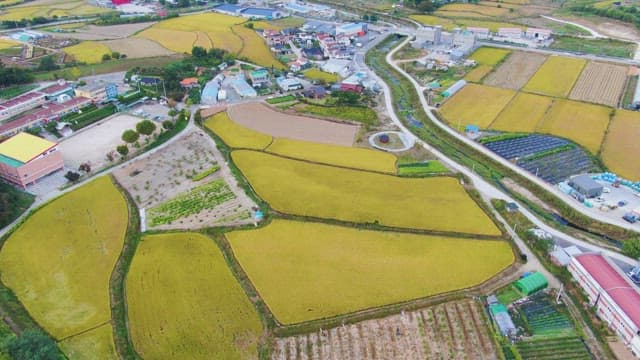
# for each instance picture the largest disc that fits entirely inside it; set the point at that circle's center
(525, 146)
(552, 168)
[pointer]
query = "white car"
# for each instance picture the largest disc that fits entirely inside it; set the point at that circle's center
(606, 190)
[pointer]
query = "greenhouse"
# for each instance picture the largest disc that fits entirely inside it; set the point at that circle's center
(532, 283)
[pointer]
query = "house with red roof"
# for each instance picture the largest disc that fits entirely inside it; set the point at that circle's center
(614, 297)
(189, 83)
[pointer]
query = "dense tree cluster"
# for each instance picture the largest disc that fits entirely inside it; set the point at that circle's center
(426, 6)
(629, 14)
(14, 75)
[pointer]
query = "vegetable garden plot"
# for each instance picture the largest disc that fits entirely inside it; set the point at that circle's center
(600, 83)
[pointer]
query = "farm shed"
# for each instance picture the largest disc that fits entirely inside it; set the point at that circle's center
(454, 88)
(532, 283)
(636, 96)
(24, 159)
(210, 93)
(502, 318)
(586, 186)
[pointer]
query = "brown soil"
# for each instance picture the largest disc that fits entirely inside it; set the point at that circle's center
(262, 118)
(516, 70)
(513, 186)
(453, 330)
(608, 27)
(161, 176)
(94, 32)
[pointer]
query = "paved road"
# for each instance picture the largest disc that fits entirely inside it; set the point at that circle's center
(486, 189)
(548, 187)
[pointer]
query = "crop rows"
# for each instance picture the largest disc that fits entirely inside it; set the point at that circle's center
(454, 330)
(600, 83)
(564, 348)
(559, 166)
(203, 197)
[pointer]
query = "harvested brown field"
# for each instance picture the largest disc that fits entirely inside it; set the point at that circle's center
(259, 117)
(516, 70)
(137, 47)
(453, 330)
(94, 32)
(600, 83)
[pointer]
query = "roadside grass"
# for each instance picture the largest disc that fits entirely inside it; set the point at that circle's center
(361, 114)
(15, 90)
(184, 302)
(234, 135)
(306, 271)
(321, 191)
(606, 47)
(478, 73)
(356, 158)
(58, 262)
(422, 168)
(13, 203)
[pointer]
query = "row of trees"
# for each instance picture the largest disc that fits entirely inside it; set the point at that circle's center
(13, 76)
(629, 14)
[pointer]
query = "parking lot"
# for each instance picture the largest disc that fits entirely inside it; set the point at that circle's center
(608, 204)
(151, 110)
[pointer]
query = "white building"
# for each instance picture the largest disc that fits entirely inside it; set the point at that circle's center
(513, 33)
(614, 297)
(479, 32)
(538, 34)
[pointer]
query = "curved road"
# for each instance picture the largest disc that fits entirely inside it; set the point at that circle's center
(548, 187)
(486, 189)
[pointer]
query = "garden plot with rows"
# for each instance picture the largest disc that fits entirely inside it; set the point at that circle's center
(453, 330)
(185, 186)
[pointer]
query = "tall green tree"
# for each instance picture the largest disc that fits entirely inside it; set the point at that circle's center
(33, 345)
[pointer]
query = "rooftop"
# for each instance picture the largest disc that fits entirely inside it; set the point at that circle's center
(22, 99)
(24, 147)
(258, 11)
(619, 289)
(585, 182)
(62, 86)
(228, 7)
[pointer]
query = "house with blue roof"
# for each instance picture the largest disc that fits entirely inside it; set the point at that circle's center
(229, 9)
(262, 13)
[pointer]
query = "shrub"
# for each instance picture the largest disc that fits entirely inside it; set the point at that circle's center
(130, 136)
(33, 344)
(72, 176)
(122, 150)
(167, 124)
(145, 127)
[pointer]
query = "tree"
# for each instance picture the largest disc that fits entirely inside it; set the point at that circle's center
(111, 156)
(33, 345)
(249, 25)
(72, 176)
(47, 63)
(198, 51)
(146, 127)
(172, 113)
(122, 150)
(115, 55)
(345, 97)
(106, 57)
(365, 17)
(167, 124)
(86, 167)
(631, 247)
(184, 3)
(130, 136)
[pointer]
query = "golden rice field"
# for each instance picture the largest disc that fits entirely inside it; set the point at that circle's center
(478, 73)
(202, 40)
(489, 56)
(94, 344)
(523, 113)
(462, 108)
(49, 9)
(493, 11)
(356, 158)
(235, 135)
(430, 20)
(556, 76)
(301, 188)
(184, 302)
(621, 142)
(174, 40)
(224, 32)
(315, 74)
(307, 271)
(491, 25)
(255, 49)
(8, 43)
(450, 24)
(58, 263)
(582, 123)
(90, 52)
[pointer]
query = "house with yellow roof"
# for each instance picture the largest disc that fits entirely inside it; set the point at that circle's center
(25, 158)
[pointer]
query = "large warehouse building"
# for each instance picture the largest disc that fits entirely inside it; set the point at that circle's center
(614, 297)
(25, 158)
